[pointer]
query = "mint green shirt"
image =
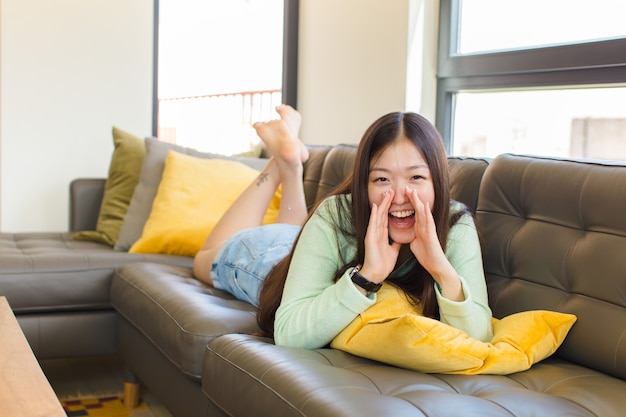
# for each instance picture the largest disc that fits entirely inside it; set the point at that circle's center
(315, 308)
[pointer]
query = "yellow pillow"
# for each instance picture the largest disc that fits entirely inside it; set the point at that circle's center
(393, 331)
(192, 196)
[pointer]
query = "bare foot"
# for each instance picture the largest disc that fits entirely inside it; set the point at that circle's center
(281, 137)
(291, 117)
(294, 120)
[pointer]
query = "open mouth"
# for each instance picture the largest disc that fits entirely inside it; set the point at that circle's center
(402, 214)
(402, 219)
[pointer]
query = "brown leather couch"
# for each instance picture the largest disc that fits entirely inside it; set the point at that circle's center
(58, 287)
(554, 237)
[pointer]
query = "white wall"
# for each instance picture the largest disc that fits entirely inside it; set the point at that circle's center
(423, 37)
(69, 71)
(356, 59)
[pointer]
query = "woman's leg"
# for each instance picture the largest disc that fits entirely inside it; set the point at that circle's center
(285, 167)
(281, 138)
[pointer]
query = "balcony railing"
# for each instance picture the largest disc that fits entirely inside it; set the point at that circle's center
(219, 123)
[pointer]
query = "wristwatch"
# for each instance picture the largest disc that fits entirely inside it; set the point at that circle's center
(363, 282)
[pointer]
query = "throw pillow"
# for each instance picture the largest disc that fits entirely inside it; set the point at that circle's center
(192, 196)
(149, 179)
(124, 170)
(393, 331)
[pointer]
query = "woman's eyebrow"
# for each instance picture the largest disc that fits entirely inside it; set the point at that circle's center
(409, 168)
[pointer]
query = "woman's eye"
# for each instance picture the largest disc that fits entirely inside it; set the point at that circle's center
(381, 179)
(417, 177)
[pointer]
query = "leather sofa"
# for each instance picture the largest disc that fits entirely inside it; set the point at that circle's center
(554, 237)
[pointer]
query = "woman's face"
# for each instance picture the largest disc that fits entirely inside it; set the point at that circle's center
(399, 166)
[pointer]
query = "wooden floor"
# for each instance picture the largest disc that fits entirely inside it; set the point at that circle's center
(100, 376)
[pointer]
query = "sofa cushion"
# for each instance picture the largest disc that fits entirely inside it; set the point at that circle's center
(283, 381)
(312, 172)
(394, 331)
(466, 174)
(149, 179)
(554, 238)
(178, 313)
(193, 195)
(52, 272)
(338, 165)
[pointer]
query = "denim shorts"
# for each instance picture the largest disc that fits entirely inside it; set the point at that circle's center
(246, 258)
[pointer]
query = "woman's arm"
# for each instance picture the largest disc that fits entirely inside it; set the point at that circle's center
(472, 315)
(314, 309)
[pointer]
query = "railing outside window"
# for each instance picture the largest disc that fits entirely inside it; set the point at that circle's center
(220, 123)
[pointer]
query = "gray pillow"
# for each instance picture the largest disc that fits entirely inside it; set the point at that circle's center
(149, 180)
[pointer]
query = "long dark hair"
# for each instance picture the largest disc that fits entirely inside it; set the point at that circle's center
(416, 283)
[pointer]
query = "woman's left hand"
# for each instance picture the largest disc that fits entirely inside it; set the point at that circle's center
(428, 250)
(425, 246)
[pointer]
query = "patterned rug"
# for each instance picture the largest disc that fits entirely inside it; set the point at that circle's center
(111, 406)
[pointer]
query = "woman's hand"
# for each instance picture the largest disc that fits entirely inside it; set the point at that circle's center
(428, 250)
(380, 254)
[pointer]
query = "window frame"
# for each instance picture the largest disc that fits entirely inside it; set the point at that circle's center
(597, 64)
(290, 58)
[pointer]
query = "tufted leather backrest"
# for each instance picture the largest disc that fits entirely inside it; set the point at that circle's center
(554, 237)
(328, 166)
(338, 166)
(466, 174)
(312, 172)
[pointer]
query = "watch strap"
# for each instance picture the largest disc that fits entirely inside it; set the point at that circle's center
(363, 282)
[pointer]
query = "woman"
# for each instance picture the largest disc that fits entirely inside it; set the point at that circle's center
(392, 221)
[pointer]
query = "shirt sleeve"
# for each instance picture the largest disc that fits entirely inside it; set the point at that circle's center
(315, 308)
(473, 314)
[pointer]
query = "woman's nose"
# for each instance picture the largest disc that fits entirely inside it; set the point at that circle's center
(399, 196)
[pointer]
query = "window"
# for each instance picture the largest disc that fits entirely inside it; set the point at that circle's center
(221, 66)
(497, 25)
(532, 77)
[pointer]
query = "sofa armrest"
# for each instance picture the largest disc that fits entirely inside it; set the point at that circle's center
(85, 199)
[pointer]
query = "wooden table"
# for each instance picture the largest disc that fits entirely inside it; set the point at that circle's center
(24, 389)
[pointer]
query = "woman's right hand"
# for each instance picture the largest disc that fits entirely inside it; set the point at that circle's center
(380, 254)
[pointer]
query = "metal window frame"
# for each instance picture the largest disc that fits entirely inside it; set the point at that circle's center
(599, 63)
